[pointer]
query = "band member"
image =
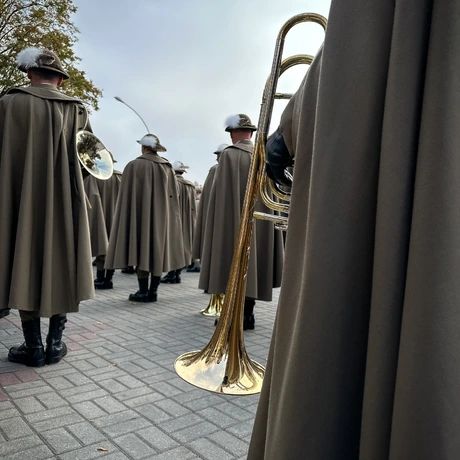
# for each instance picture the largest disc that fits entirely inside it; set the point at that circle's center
(187, 202)
(202, 212)
(364, 358)
(102, 195)
(44, 238)
(222, 225)
(146, 230)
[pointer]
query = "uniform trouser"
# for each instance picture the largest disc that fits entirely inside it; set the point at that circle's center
(32, 315)
(142, 275)
(249, 306)
(100, 262)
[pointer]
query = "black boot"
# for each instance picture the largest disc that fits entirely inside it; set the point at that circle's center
(31, 352)
(99, 281)
(129, 270)
(107, 281)
(194, 268)
(248, 319)
(4, 312)
(56, 349)
(153, 292)
(142, 295)
(170, 277)
(177, 275)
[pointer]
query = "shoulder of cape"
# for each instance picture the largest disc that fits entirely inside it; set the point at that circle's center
(242, 145)
(154, 159)
(44, 93)
(185, 181)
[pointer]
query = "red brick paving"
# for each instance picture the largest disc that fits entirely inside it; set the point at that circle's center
(28, 376)
(8, 379)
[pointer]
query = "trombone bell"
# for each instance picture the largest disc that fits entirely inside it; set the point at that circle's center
(93, 155)
(214, 377)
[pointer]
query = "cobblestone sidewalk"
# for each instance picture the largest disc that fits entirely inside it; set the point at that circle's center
(116, 395)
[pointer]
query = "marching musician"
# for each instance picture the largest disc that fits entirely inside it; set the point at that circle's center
(44, 237)
(222, 225)
(364, 360)
(202, 212)
(102, 196)
(187, 203)
(146, 230)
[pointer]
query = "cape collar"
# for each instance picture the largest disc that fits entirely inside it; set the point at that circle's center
(44, 91)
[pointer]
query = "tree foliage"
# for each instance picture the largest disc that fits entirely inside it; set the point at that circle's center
(42, 23)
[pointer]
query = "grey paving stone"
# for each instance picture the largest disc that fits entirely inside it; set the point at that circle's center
(29, 405)
(242, 429)
(92, 394)
(130, 367)
(172, 408)
(49, 414)
(110, 404)
(15, 428)
(65, 420)
(209, 451)
(116, 418)
(86, 433)
(90, 452)
(116, 456)
(126, 427)
(181, 453)
(82, 365)
(153, 413)
(217, 417)
(194, 432)
(236, 411)
(204, 402)
(131, 382)
(89, 410)
(78, 379)
(37, 390)
(10, 447)
(60, 440)
(60, 383)
(9, 413)
(51, 400)
(99, 362)
(129, 394)
(156, 438)
(229, 442)
(111, 385)
(36, 453)
(166, 389)
(188, 396)
(143, 400)
(134, 447)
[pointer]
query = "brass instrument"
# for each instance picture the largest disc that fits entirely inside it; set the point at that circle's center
(93, 155)
(224, 366)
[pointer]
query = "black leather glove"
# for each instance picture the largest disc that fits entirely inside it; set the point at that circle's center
(278, 159)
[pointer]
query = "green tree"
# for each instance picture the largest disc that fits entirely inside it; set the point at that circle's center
(42, 23)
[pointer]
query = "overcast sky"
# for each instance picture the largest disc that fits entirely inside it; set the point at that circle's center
(185, 65)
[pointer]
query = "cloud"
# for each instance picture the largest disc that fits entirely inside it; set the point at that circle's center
(185, 66)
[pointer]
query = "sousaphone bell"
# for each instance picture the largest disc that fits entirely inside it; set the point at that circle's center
(93, 155)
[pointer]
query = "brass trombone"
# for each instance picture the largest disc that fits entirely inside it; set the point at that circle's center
(224, 366)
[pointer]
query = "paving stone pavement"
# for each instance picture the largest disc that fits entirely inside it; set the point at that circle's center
(116, 395)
